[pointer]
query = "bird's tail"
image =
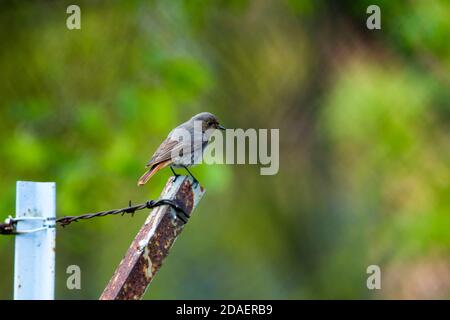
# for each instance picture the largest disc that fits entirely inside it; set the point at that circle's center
(146, 176)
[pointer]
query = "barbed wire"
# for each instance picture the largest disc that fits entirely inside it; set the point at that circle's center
(8, 228)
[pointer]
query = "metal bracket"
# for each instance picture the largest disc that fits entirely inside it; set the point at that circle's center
(46, 223)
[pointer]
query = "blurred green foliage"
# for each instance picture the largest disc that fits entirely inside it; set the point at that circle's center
(364, 125)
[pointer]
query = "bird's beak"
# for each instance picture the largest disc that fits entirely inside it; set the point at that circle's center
(221, 127)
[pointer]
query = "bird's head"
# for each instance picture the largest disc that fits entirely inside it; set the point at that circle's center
(209, 121)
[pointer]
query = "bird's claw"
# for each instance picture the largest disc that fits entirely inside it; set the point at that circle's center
(176, 175)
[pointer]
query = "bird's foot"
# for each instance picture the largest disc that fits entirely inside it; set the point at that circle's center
(176, 175)
(195, 182)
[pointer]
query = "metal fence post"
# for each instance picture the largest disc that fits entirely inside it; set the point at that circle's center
(153, 242)
(34, 259)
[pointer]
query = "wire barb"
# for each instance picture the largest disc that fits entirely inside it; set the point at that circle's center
(8, 228)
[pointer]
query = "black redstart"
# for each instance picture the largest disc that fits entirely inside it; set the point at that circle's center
(185, 153)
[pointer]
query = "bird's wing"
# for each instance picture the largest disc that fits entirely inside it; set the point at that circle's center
(171, 147)
(164, 152)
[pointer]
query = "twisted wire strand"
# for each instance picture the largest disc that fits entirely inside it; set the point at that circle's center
(8, 228)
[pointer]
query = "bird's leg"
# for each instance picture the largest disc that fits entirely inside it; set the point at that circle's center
(175, 174)
(195, 179)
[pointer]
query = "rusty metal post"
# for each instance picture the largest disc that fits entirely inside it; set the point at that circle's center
(153, 242)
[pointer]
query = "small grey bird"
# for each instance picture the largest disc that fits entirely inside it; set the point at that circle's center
(164, 155)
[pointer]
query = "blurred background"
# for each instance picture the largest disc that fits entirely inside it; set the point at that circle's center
(364, 122)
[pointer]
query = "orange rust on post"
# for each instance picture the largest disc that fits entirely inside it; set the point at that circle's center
(153, 242)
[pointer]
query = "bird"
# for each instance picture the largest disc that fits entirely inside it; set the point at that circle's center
(164, 155)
